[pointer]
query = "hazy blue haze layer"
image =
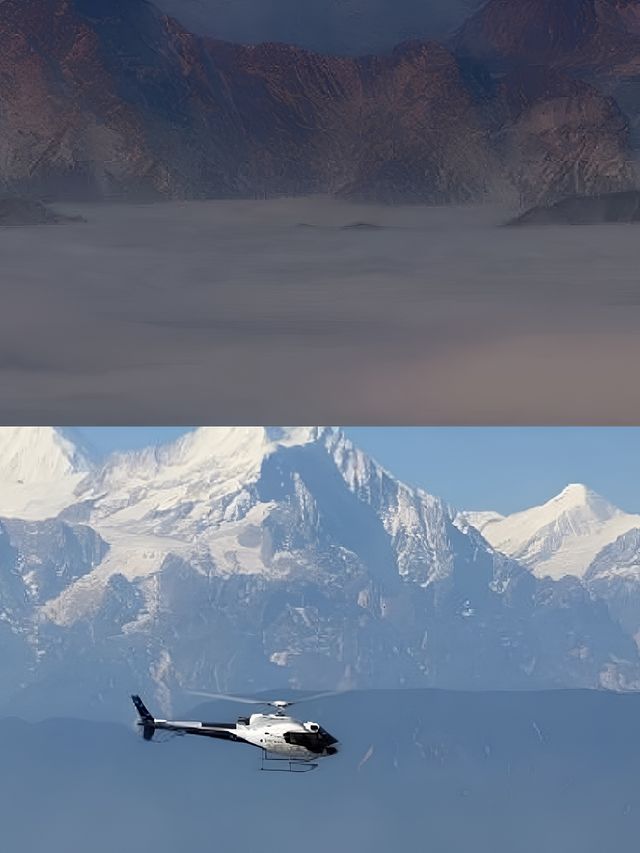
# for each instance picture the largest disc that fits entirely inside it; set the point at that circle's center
(444, 772)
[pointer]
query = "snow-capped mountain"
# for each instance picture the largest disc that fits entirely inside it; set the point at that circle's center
(560, 537)
(40, 470)
(251, 558)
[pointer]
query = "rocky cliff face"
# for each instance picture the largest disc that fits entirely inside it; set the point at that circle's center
(595, 33)
(597, 41)
(104, 99)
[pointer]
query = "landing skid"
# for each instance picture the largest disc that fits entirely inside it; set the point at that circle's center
(293, 765)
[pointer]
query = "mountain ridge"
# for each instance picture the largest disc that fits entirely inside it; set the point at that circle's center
(100, 106)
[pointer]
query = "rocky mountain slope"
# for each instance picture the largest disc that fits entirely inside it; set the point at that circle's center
(240, 559)
(116, 99)
(594, 40)
(614, 576)
(589, 33)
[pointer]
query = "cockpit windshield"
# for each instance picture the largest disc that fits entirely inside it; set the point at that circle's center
(313, 741)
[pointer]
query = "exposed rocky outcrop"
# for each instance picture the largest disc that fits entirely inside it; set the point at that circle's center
(596, 40)
(21, 211)
(585, 210)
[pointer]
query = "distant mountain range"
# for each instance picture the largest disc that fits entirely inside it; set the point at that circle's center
(118, 100)
(241, 559)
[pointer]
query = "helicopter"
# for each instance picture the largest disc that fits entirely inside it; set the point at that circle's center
(286, 744)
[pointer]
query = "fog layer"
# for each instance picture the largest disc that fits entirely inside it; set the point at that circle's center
(273, 311)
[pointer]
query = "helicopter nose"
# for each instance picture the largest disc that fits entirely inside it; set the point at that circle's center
(330, 743)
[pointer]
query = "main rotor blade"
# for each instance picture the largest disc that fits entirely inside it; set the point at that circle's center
(275, 702)
(317, 696)
(229, 698)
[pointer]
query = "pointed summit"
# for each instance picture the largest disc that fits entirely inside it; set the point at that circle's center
(563, 535)
(577, 496)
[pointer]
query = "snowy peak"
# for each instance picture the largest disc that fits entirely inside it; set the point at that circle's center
(576, 510)
(225, 452)
(38, 455)
(40, 470)
(229, 444)
(204, 477)
(560, 537)
(578, 498)
(257, 501)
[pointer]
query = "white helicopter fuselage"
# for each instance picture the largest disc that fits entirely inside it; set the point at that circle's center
(269, 731)
(275, 734)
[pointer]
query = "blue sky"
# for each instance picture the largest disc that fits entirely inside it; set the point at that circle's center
(502, 468)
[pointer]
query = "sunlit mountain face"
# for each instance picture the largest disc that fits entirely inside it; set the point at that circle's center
(240, 559)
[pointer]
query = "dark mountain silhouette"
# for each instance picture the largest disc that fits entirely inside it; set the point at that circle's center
(585, 210)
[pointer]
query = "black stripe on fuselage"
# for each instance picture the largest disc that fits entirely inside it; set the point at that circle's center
(218, 733)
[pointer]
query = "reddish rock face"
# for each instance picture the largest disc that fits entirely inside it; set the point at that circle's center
(107, 97)
(532, 30)
(594, 40)
(578, 34)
